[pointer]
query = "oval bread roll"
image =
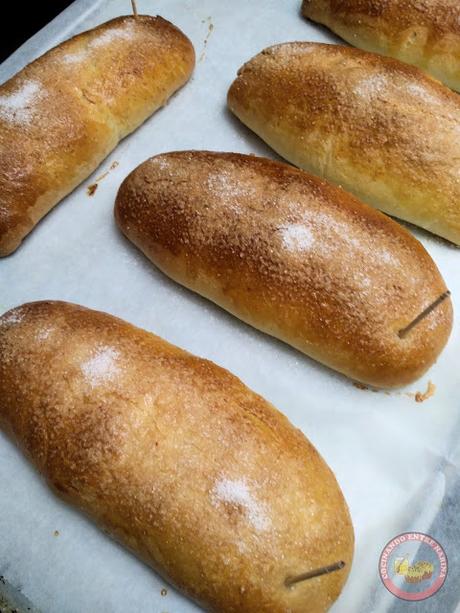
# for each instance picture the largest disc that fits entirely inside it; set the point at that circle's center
(379, 128)
(293, 256)
(426, 34)
(175, 457)
(65, 112)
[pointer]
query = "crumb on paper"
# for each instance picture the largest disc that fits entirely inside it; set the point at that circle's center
(205, 42)
(430, 390)
(102, 177)
(360, 386)
(164, 592)
(56, 533)
(93, 187)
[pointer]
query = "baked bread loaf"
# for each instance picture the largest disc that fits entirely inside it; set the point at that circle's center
(426, 34)
(175, 457)
(65, 112)
(293, 256)
(379, 128)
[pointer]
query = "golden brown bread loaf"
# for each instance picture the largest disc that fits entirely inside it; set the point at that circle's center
(293, 256)
(64, 113)
(379, 128)
(175, 457)
(426, 34)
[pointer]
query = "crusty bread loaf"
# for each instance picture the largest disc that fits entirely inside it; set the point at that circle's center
(175, 457)
(379, 128)
(426, 34)
(65, 112)
(293, 256)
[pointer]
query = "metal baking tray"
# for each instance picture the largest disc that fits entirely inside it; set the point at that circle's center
(397, 460)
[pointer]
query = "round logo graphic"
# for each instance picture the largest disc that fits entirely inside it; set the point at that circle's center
(413, 566)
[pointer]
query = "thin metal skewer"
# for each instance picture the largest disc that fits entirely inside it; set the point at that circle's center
(402, 333)
(290, 581)
(133, 4)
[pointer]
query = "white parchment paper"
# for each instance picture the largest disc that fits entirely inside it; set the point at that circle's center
(396, 460)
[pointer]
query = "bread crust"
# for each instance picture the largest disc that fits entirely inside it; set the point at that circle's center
(381, 129)
(291, 255)
(426, 34)
(65, 112)
(175, 457)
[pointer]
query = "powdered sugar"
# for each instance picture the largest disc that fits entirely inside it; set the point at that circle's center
(12, 318)
(121, 33)
(386, 257)
(417, 90)
(101, 367)
(297, 237)
(326, 234)
(290, 49)
(163, 162)
(237, 492)
(18, 107)
(225, 185)
(43, 334)
(75, 58)
(114, 35)
(371, 86)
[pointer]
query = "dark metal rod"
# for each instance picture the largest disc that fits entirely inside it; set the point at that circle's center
(402, 333)
(133, 4)
(314, 573)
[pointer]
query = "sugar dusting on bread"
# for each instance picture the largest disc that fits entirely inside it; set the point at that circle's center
(222, 185)
(371, 86)
(43, 334)
(76, 57)
(18, 107)
(124, 32)
(237, 492)
(101, 367)
(13, 317)
(297, 237)
(422, 92)
(315, 229)
(322, 233)
(379, 84)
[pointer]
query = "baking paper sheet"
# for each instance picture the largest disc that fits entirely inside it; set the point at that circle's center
(396, 460)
